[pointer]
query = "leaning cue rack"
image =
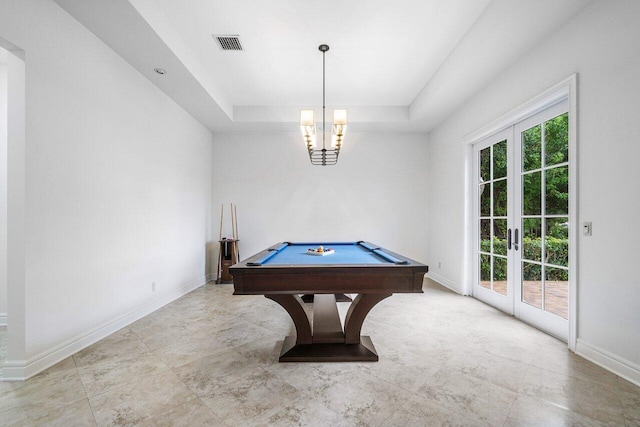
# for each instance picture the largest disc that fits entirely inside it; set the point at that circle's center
(228, 253)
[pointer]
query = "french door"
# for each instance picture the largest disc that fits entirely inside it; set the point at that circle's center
(522, 220)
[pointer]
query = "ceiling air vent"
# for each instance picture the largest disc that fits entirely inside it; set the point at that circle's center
(228, 41)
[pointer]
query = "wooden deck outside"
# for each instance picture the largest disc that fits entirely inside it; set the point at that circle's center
(556, 295)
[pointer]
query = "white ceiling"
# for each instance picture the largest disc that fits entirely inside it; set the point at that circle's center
(393, 65)
(380, 54)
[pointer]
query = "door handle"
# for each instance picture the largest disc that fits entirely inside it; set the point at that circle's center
(515, 240)
(508, 239)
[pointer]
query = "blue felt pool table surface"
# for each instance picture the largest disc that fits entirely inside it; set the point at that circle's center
(345, 253)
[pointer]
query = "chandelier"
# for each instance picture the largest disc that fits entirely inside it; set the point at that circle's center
(323, 156)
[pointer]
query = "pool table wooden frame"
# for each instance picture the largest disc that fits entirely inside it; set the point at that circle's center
(322, 338)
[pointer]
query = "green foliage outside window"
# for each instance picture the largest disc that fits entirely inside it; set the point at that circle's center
(557, 253)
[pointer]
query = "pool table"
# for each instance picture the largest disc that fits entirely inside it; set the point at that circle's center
(285, 270)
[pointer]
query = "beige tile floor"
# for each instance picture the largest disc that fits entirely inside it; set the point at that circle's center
(210, 358)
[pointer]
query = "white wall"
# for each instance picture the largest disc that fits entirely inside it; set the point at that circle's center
(3, 193)
(15, 204)
(601, 45)
(118, 188)
(376, 192)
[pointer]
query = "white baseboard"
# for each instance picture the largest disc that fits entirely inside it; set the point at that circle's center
(20, 370)
(445, 282)
(13, 370)
(3, 319)
(609, 361)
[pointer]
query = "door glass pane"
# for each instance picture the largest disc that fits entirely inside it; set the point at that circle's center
(557, 140)
(492, 197)
(500, 160)
(500, 198)
(557, 241)
(531, 148)
(485, 165)
(556, 291)
(532, 239)
(485, 199)
(485, 235)
(532, 194)
(500, 236)
(557, 186)
(532, 284)
(485, 271)
(500, 275)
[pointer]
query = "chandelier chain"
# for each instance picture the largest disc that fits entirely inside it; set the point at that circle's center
(324, 107)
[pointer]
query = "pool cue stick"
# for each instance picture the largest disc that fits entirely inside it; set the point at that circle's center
(235, 222)
(235, 214)
(233, 234)
(219, 270)
(221, 216)
(233, 228)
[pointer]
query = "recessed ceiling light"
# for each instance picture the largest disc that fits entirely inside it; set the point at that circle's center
(159, 71)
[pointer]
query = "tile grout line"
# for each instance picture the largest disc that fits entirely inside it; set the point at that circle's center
(84, 388)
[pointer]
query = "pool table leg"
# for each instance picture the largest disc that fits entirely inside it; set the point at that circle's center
(295, 307)
(358, 311)
(330, 344)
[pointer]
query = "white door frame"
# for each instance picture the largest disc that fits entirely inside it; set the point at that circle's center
(566, 89)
